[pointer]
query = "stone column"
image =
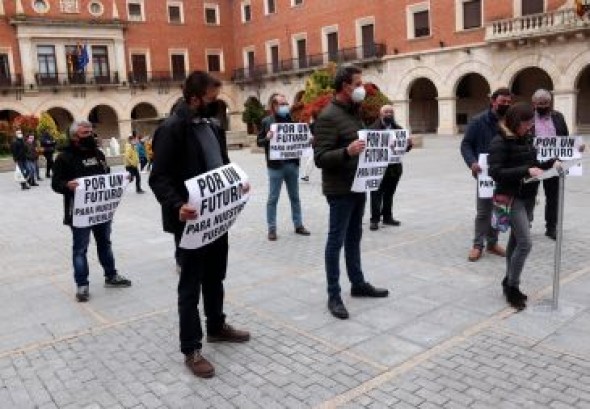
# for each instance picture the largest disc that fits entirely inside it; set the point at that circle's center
(564, 101)
(401, 109)
(27, 59)
(120, 60)
(125, 129)
(447, 114)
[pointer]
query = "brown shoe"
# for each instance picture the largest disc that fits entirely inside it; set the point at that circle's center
(302, 231)
(474, 254)
(199, 366)
(272, 235)
(229, 334)
(496, 249)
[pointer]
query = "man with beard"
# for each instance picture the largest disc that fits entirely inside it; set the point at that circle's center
(81, 158)
(186, 145)
(480, 131)
(336, 151)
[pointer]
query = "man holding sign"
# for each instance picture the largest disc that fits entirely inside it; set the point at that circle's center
(382, 198)
(549, 124)
(281, 168)
(186, 145)
(336, 152)
(80, 159)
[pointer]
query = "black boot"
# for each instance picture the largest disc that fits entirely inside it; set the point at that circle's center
(514, 298)
(505, 284)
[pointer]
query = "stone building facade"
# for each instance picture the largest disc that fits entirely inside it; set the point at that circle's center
(437, 60)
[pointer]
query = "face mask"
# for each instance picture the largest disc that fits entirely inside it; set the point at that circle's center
(501, 110)
(359, 94)
(388, 120)
(87, 143)
(19, 135)
(283, 111)
(543, 111)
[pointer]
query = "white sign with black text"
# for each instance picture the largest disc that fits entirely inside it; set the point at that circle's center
(399, 145)
(564, 148)
(96, 198)
(219, 197)
(485, 183)
(289, 141)
(373, 160)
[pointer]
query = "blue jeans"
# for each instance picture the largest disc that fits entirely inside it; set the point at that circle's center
(102, 236)
(346, 217)
(289, 172)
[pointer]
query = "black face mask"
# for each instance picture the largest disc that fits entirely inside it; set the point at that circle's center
(87, 143)
(543, 111)
(388, 120)
(501, 110)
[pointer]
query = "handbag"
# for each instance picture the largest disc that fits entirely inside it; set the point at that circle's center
(18, 175)
(501, 211)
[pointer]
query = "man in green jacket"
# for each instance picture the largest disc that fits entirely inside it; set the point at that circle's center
(336, 152)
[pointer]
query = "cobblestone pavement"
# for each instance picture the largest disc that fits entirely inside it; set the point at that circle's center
(443, 339)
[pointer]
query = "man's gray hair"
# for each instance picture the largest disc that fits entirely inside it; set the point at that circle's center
(77, 124)
(541, 95)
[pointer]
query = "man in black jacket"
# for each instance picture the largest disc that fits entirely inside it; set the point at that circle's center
(382, 198)
(19, 155)
(186, 145)
(280, 170)
(48, 146)
(480, 132)
(336, 151)
(79, 159)
(549, 123)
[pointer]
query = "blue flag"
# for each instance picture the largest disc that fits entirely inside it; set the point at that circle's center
(83, 59)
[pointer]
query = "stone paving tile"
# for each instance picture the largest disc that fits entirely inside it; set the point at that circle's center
(498, 385)
(138, 365)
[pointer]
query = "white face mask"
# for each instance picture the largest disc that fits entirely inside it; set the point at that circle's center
(359, 94)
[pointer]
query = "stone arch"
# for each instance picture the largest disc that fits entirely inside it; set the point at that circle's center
(229, 101)
(105, 120)
(8, 115)
(62, 117)
(459, 71)
(144, 118)
(522, 62)
(170, 104)
(423, 96)
(583, 100)
(574, 71)
(526, 81)
(409, 77)
(471, 93)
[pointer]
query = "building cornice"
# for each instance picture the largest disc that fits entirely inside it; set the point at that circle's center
(47, 22)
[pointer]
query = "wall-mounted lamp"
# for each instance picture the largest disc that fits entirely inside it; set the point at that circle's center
(416, 57)
(467, 51)
(395, 51)
(441, 44)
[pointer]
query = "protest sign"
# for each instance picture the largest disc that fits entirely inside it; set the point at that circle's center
(485, 183)
(372, 161)
(564, 148)
(219, 196)
(96, 198)
(289, 141)
(399, 145)
(553, 172)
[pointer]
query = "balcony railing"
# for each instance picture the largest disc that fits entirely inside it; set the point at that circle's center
(536, 25)
(146, 78)
(73, 79)
(354, 54)
(11, 81)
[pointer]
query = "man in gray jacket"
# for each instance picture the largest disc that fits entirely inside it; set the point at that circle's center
(336, 152)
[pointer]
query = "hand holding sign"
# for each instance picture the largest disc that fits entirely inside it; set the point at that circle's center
(356, 147)
(72, 185)
(535, 172)
(187, 212)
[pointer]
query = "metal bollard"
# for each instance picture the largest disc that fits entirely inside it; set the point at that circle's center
(559, 241)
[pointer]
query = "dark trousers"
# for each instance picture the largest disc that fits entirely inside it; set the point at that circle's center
(81, 239)
(202, 270)
(49, 161)
(142, 162)
(382, 198)
(134, 172)
(345, 229)
(551, 188)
